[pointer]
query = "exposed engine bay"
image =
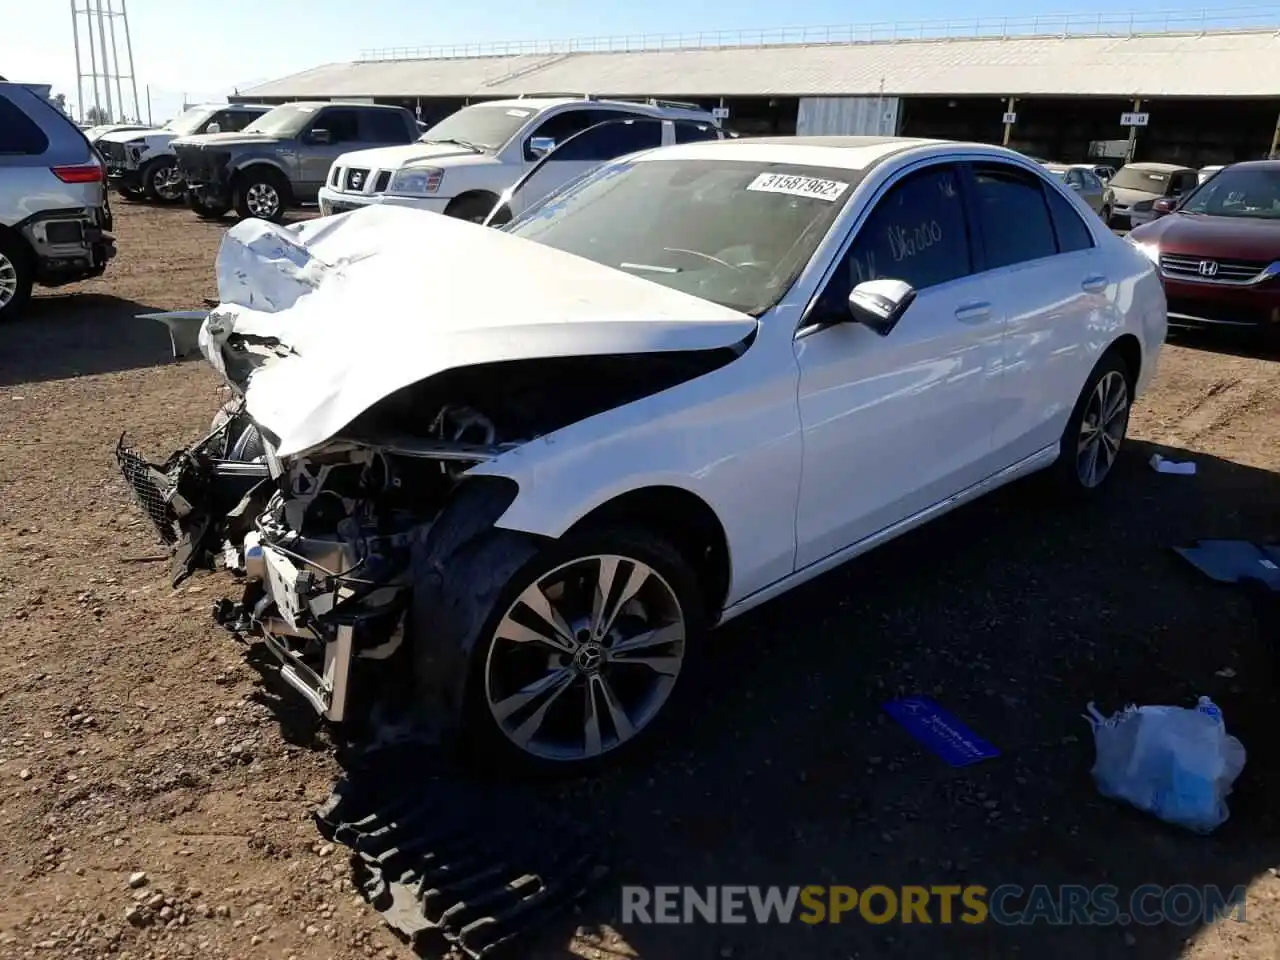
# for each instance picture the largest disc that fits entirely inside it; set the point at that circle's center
(323, 542)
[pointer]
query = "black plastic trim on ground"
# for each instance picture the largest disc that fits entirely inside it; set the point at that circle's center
(455, 863)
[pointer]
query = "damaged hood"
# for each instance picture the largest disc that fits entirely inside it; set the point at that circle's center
(358, 306)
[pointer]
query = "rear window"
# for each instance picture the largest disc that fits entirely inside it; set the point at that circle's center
(1148, 181)
(19, 134)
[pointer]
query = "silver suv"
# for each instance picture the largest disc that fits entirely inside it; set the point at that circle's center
(54, 215)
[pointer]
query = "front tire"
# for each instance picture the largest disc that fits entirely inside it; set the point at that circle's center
(584, 654)
(473, 206)
(16, 277)
(262, 194)
(1096, 429)
(159, 181)
(1106, 216)
(207, 209)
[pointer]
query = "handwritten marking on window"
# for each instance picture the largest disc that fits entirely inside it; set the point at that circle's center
(907, 242)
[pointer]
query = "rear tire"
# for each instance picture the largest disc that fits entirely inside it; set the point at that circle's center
(16, 277)
(1096, 429)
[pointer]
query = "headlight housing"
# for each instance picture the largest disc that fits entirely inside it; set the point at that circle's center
(416, 181)
(1149, 250)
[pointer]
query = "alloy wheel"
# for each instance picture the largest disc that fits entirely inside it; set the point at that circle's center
(1102, 429)
(263, 200)
(166, 183)
(8, 281)
(585, 658)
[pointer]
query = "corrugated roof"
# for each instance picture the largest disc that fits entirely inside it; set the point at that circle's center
(1227, 64)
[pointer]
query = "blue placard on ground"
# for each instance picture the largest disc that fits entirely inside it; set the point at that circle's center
(940, 731)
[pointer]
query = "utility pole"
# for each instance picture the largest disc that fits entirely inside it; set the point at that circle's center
(93, 31)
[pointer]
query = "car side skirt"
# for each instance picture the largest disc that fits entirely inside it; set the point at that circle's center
(1037, 461)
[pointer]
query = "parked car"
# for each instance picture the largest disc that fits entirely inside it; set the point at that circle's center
(536, 463)
(1137, 186)
(141, 164)
(54, 214)
(1207, 172)
(93, 133)
(1219, 250)
(461, 165)
(281, 159)
(584, 151)
(1080, 178)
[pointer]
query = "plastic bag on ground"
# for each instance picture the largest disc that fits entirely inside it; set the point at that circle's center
(1176, 763)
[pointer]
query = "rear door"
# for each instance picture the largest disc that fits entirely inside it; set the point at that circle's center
(1047, 280)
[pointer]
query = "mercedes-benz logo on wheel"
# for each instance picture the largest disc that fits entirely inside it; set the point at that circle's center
(1208, 268)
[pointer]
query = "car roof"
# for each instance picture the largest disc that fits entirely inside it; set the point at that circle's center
(315, 104)
(847, 153)
(544, 103)
(1253, 165)
(1152, 167)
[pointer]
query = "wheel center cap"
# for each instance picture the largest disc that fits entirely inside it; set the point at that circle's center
(589, 658)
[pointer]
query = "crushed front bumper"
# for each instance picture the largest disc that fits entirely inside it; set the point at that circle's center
(316, 603)
(196, 497)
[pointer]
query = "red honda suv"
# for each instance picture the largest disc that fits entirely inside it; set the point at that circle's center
(1218, 249)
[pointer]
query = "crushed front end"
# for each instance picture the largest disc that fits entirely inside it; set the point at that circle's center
(321, 544)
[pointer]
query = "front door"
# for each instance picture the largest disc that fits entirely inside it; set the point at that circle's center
(341, 134)
(894, 424)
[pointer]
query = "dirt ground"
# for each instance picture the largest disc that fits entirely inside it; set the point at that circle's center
(136, 737)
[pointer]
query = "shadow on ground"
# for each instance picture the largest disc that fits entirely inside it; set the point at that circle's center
(1013, 613)
(80, 334)
(1246, 343)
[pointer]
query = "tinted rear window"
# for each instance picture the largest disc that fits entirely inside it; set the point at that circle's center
(1015, 219)
(19, 134)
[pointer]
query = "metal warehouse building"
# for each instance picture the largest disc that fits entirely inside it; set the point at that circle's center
(1114, 86)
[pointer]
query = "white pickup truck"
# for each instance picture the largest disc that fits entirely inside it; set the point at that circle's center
(141, 163)
(463, 164)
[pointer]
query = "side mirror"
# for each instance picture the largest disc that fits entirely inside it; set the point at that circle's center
(880, 304)
(213, 128)
(1164, 205)
(320, 136)
(541, 146)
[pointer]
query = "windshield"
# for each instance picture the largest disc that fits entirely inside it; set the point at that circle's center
(485, 126)
(1148, 181)
(1238, 192)
(188, 122)
(286, 120)
(732, 232)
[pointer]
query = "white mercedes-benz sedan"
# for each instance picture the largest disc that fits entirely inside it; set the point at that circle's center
(536, 464)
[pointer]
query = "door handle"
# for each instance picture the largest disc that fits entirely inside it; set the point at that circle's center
(973, 312)
(1095, 284)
